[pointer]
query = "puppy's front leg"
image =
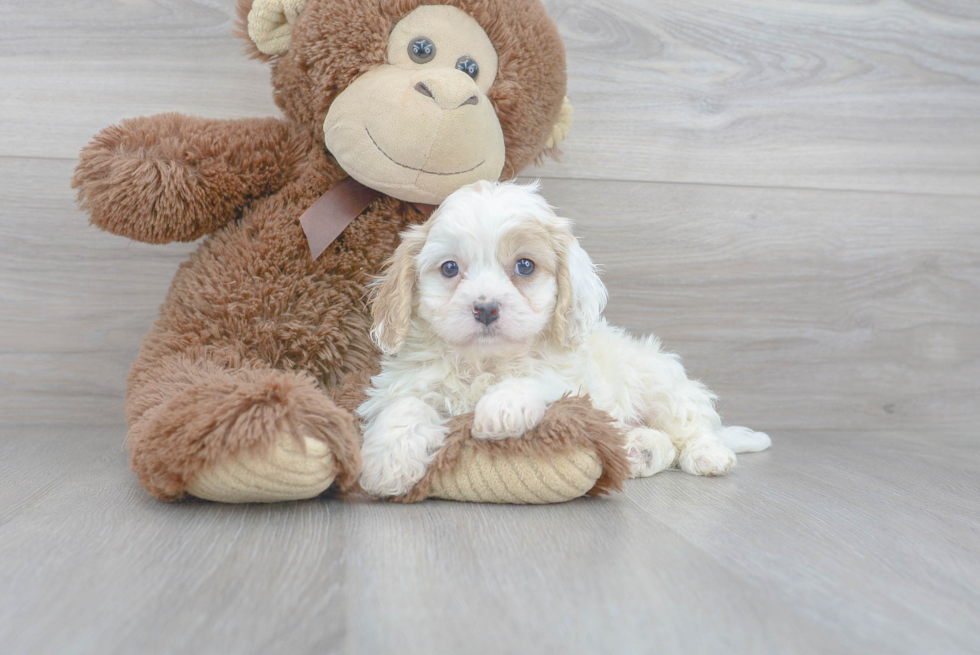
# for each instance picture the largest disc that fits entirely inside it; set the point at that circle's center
(510, 408)
(398, 446)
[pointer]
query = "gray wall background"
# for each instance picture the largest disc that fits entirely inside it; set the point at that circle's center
(787, 192)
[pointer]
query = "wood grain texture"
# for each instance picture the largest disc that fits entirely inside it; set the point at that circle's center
(76, 301)
(800, 308)
(786, 191)
(842, 95)
(121, 572)
(79, 67)
(832, 542)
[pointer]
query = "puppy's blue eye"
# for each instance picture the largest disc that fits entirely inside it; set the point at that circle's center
(524, 267)
(450, 269)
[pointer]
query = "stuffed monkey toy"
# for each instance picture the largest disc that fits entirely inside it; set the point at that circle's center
(244, 389)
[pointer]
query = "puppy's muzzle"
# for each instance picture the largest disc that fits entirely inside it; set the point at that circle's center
(486, 313)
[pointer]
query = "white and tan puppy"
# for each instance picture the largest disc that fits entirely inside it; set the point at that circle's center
(492, 306)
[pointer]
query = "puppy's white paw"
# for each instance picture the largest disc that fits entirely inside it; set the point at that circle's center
(398, 447)
(649, 452)
(706, 457)
(391, 473)
(505, 413)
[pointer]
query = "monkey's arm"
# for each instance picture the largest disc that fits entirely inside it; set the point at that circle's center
(172, 177)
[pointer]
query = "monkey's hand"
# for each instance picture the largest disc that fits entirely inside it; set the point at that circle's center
(172, 177)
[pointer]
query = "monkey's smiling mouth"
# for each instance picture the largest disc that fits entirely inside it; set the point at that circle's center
(412, 168)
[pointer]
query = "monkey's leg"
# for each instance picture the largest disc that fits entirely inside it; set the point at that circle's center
(247, 433)
(575, 450)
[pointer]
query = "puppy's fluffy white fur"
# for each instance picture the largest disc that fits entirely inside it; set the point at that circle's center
(547, 338)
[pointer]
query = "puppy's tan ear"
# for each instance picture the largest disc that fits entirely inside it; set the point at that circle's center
(391, 300)
(561, 324)
(581, 294)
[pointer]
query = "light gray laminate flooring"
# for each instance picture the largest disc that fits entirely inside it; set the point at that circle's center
(787, 192)
(833, 542)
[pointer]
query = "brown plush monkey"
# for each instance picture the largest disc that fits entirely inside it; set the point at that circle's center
(244, 388)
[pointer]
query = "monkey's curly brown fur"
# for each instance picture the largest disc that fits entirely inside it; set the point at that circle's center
(254, 338)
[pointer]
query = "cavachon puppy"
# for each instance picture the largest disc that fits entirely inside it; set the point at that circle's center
(493, 307)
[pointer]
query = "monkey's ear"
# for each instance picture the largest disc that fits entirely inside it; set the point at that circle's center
(562, 127)
(269, 23)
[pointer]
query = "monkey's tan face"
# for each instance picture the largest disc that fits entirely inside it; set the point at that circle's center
(421, 126)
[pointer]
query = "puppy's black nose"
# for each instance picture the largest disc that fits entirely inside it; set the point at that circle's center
(486, 313)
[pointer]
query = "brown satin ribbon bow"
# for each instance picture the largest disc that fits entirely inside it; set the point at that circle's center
(330, 215)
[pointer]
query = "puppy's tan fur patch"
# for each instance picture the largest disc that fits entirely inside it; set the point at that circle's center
(531, 241)
(391, 306)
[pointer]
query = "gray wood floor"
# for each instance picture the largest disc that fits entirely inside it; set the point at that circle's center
(833, 542)
(787, 192)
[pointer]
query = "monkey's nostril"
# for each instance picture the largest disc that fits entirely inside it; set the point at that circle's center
(472, 100)
(424, 89)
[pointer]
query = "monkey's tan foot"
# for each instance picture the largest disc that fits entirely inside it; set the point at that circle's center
(238, 436)
(487, 477)
(292, 469)
(574, 451)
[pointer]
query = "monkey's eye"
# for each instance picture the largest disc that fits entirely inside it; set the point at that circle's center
(450, 269)
(468, 65)
(524, 267)
(421, 50)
